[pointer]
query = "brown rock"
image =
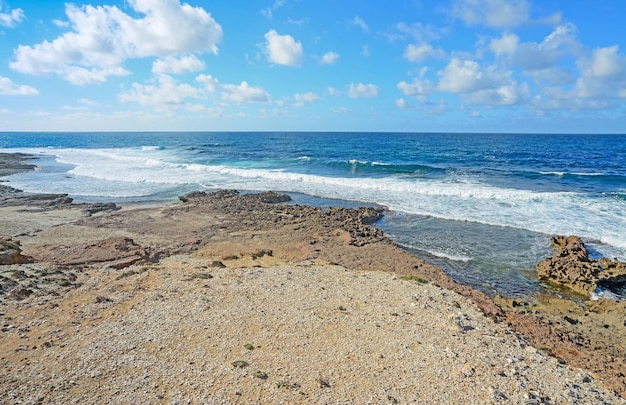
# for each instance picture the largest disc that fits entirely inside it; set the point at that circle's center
(120, 252)
(572, 267)
(10, 252)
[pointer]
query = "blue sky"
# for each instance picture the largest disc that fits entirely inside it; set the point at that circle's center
(303, 65)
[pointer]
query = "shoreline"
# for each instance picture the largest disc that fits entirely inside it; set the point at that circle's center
(227, 224)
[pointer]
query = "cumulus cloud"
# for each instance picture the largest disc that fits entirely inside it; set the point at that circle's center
(211, 84)
(242, 93)
(474, 83)
(103, 37)
(11, 18)
(283, 49)
(329, 58)
(602, 76)
(420, 53)
(541, 60)
(361, 90)
(308, 97)
(417, 31)
(166, 92)
(492, 13)
(188, 63)
(9, 88)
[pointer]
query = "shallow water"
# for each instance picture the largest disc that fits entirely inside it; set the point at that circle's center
(483, 206)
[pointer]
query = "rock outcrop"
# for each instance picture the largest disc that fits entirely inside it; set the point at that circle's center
(10, 252)
(116, 253)
(572, 267)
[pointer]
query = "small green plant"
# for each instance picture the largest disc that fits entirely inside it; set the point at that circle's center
(239, 363)
(413, 278)
(249, 346)
(260, 374)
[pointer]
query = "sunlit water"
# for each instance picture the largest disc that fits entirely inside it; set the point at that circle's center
(481, 206)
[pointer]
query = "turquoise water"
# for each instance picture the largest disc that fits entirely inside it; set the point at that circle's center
(481, 205)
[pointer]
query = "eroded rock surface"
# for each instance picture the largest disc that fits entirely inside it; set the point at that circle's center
(572, 267)
(10, 252)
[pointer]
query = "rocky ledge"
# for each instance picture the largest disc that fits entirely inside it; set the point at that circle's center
(572, 267)
(10, 252)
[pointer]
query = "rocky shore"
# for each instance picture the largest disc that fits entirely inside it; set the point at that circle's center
(244, 298)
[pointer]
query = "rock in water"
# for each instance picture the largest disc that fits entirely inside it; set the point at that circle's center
(572, 267)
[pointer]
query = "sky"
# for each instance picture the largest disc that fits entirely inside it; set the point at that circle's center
(510, 66)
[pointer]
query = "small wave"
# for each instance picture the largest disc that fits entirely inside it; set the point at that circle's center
(384, 168)
(556, 174)
(588, 174)
(449, 256)
(152, 147)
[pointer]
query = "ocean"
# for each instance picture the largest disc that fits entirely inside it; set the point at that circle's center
(482, 206)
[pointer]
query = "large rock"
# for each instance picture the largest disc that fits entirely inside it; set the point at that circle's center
(10, 252)
(572, 267)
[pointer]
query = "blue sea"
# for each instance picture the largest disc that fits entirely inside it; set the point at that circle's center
(482, 206)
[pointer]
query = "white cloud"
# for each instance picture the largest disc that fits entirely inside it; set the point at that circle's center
(103, 37)
(605, 63)
(418, 87)
(420, 53)
(188, 63)
(474, 83)
(87, 102)
(11, 18)
(164, 94)
(60, 23)
(419, 32)
(269, 12)
(365, 50)
(537, 56)
(329, 58)
(359, 22)
(507, 44)
(211, 84)
(543, 61)
(402, 104)
(308, 97)
(80, 76)
(464, 76)
(603, 75)
(283, 49)
(492, 13)
(333, 91)
(340, 110)
(361, 90)
(244, 93)
(9, 88)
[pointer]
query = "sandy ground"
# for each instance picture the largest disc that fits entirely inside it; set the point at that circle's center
(228, 298)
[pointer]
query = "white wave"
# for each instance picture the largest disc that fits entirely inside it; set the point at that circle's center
(132, 172)
(557, 174)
